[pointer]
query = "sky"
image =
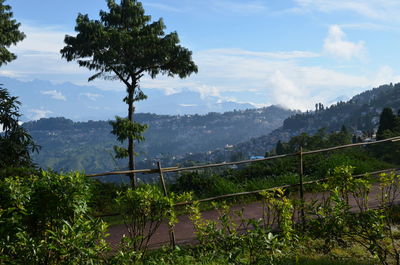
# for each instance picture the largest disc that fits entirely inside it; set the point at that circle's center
(288, 52)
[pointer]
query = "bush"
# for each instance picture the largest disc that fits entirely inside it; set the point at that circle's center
(143, 209)
(44, 220)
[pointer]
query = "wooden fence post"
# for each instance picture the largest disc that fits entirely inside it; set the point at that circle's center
(302, 186)
(171, 228)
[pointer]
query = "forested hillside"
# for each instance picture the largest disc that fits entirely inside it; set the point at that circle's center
(359, 115)
(68, 145)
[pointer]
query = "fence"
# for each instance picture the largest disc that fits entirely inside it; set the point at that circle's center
(300, 184)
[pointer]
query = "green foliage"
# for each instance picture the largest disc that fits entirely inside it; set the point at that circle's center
(207, 184)
(44, 220)
(126, 129)
(278, 211)
(68, 145)
(143, 209)
(225, 238)
(370, 227)
(18, 171)
(387, 122)
(317, 141)
(103, 197)
(389, 126)
(15, 142)
(280, 149)
(124, 45)
(9, 32)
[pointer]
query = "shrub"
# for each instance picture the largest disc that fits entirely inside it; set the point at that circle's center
(44, 220)
(143, 209)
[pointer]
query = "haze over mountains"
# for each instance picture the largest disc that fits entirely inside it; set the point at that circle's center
(68, 145)
(43, 99)
(232, 135)
(359, 114)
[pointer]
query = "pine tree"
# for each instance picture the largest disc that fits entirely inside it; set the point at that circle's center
(387, 122)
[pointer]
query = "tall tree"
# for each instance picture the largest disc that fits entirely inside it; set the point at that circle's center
(15, 142)
(387, 122)
(125, 45)
(280, 149)
(9, 33)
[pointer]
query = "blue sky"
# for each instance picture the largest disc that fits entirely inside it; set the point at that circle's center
(289, 52)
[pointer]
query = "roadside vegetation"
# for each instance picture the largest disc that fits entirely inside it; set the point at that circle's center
(46, 219)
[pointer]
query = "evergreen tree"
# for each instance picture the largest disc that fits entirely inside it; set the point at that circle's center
(387, 122)
(9, 32)
(280, 150)
(125, 45)
(15, 143)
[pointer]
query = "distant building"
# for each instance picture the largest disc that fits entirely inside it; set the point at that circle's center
(229, 147)
(256, 157)
(369, 140)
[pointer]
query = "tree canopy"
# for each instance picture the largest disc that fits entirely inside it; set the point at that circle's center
(387, 123)
(14, 138)
(15, 143)
(125, 45)
(9, 33)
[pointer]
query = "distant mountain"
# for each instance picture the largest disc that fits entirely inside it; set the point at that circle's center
(43, 99)
(68, 145)
(361, 113)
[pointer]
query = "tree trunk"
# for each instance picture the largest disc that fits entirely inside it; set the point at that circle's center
(131, 153)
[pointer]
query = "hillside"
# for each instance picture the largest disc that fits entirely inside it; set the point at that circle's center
(359, 114)
(68, 145)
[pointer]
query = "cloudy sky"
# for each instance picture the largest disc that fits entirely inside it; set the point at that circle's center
(289, 52)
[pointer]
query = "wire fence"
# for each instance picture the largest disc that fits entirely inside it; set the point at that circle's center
(300, 184)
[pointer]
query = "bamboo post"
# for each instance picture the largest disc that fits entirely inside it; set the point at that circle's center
(302, 186)
(171, 228)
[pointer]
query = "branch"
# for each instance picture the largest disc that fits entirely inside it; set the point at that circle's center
(120, 76)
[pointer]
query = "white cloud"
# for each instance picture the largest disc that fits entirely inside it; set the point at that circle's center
(224, 73)
(41, 39)
(92, 96)
(161, 6)
(368, 26)
(385, 75)
(240, 7)
(39, 56)
(206, 90)
(36, 114)
(386, 10)
(188, 105)
(286, 93)
(337, 46)
(54, 94)
(7, 73)
(270, 55)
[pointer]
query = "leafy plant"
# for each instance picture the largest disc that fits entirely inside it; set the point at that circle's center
(143, 210)
(371, 228)
(44, 220)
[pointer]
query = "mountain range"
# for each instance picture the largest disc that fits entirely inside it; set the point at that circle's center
(44, 99)
(178, 139)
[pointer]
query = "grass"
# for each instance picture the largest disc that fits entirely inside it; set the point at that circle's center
(307, 253)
